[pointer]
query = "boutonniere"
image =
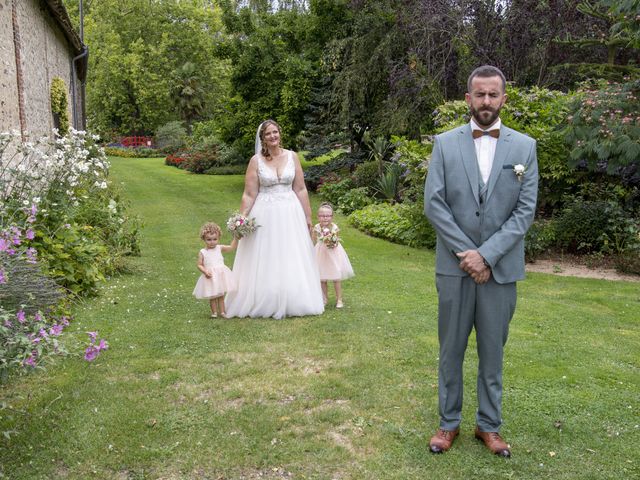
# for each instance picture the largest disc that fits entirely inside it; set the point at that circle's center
(519, 170)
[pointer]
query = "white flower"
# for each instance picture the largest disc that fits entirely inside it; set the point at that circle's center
(519, 170)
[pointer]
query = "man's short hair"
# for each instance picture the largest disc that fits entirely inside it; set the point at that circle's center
(486, 71)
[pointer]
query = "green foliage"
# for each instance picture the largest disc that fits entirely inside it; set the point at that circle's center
(137, 52)
(333, 188)
(398, 223)
(413, 157)
(595, 226)
(540, 238)
(171, 136)
(340, 165)
(366, 175)
(354, 199)
(604, 126)
(389, 185)
(60, 104)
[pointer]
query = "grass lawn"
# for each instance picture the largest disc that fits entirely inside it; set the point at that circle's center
(350, 394)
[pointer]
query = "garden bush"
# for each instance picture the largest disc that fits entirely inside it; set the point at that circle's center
(355, 199)
(171, 137)
(340, 165)
(333, 188)
(60, 221)
(585, 226)
(540, 238)
(398, 223)
(366, 175)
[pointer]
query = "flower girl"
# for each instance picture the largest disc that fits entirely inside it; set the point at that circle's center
(332, 259)
(216, 279)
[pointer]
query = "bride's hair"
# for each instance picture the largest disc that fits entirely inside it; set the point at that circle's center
(263, 126)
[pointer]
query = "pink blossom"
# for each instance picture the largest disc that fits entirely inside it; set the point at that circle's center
(20, 316)
(56, 330)
(37, 317)
(30, 234)
(91, 353)
(102, 345)
(7, 324)
(93, 336)
(30, 361)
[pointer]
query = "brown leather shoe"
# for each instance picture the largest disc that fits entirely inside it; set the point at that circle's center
(494, 442)
(442, 440)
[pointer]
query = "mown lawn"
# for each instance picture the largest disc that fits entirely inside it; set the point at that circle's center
(350, 394)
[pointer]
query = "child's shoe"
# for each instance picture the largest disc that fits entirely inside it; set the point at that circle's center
(214, 315)
(339, 304)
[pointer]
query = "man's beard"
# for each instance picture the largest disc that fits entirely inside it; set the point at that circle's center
(485, 117)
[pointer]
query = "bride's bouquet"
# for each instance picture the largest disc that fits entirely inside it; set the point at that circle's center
(329, 236)
(241, 226)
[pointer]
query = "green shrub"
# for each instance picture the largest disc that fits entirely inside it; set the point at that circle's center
(366, 175)
(594, 226)
(120, 152)
(200, 161)
(171, 136)
(390, 184)
(413, 157)
(342, 164)
(355, 199)
(333, 188)
(539, 239)
(399, 223)
(628, 261)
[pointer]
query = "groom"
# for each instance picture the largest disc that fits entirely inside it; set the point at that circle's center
(480, 196)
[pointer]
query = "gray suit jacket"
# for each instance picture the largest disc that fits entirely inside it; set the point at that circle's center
(495, 226)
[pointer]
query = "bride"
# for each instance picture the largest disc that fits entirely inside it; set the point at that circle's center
(275, 266)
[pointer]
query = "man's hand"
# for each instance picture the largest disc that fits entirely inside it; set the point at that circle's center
(473, 263)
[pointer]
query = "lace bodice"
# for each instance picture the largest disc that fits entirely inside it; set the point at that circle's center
(270, 183)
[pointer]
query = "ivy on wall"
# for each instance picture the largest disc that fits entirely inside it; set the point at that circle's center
(59, 105)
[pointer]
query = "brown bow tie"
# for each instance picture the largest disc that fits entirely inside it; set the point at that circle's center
(495, 133)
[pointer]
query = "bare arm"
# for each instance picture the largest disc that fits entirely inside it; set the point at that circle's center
(251, 187)
(204, 271)
(314, 235)
(300, 189)
(231, 247)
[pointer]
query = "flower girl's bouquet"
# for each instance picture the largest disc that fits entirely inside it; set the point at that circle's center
(329, 236)
(241, 226)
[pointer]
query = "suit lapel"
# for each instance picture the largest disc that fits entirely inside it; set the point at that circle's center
(469, 159)
(502, 153)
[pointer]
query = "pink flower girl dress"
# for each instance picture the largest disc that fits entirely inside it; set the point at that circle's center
(221, 282)
(333, 262)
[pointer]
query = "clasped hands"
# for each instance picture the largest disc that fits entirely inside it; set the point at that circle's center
(473, 263)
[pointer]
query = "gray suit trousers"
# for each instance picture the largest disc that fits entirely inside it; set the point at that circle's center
(488, 308)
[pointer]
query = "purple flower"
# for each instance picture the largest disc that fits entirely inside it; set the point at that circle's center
(32, 254)
(103, 345)
(91, 353)
(3, 245)
(8, 324)
(30, 361)
(34, 209)
(43, 333)
(3, 278)
(65, 321)
(56, 330)
(37, 317)
(93, 336)
(30, 234)
(20, 316)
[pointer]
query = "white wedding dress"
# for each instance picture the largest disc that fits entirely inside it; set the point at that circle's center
(275, 266)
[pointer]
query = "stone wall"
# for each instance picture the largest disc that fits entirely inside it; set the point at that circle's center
(45, 53)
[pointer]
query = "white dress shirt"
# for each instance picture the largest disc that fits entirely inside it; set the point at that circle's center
(485, 149)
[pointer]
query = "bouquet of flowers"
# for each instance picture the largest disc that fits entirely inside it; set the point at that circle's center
(329, 236)
(241, 226)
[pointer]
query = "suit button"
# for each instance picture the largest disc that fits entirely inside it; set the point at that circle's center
(477, 214)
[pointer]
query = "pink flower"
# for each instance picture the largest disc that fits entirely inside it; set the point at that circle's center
(30, 361)
(91, 353)
(93, 336)
(56, 330)
(3, 278)
(30, 234)
(37, 317)
(20, 316)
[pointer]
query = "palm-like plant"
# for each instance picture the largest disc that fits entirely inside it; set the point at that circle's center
(390, 183)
